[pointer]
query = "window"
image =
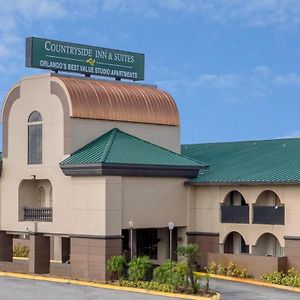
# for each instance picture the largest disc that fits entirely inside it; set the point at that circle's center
(50, 198)
(41, 197)
(147, 242)
(35, 138)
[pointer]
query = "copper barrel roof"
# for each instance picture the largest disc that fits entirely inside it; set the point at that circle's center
(108, 100)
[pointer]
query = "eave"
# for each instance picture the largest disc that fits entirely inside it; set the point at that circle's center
(115, 169)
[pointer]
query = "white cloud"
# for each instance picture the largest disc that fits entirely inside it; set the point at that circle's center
(291, 79)
(137, 7)
(17, 17)
(254, 13)
(262, 70)
(4, 52)
(34, 9)
(293, 134)
(220, 81)
(257, 13)
(254, 85)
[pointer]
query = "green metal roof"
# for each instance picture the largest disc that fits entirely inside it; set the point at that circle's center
(267, 161)
(117, 147)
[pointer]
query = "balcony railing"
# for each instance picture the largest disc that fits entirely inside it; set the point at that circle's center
(268, 215)
(43, 214)
(234, 214)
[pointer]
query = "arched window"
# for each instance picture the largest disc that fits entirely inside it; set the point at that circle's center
(41, 197)
(35, 136)
(51, 198)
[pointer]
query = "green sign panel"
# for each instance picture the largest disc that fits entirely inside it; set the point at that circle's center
(89, 60)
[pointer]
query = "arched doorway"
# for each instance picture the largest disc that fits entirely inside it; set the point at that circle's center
(267, 245)
(235, 244)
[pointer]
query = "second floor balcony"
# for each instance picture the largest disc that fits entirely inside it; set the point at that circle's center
(268, 215)
(43, 214)
(235, 214)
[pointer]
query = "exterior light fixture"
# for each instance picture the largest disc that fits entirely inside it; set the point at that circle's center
(171, 226)
(276, 207)
(33, 177)
(131, 224)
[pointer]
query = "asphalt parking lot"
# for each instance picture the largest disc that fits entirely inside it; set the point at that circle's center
(234, 290)
(15, 288)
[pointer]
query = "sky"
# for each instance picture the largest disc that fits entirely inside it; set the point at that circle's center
(232, 66)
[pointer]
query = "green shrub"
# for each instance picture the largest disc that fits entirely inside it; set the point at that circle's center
(150, 285)
(244, 273)
(274, 277)
(116, 265)
(20, 251)
(212, 268)
(207, 288)
(162, 274)
(221, 270)
(230, 270)
(196, 288)
(291, 278)
(180, 277)
(138, 267)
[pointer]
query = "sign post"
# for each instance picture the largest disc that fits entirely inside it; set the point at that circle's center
(84, 59)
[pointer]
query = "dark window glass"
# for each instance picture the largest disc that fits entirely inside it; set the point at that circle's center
(35, 136)
(126, 240)
(35, 116)
(147, 242)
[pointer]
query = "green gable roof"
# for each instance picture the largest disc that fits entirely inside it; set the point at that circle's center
(117, 148)
(268, 161)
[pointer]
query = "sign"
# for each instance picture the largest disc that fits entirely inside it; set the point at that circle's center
(89, 60)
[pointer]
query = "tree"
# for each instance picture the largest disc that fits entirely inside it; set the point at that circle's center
(187, 251)
(138, 267)
(116, 265)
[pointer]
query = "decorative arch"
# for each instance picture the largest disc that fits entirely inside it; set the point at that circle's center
(34, 194)
(13, 95)
(267, 244)
(234, 198)
(235, 243)
(268, 198)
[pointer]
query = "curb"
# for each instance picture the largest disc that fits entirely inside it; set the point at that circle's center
(105, 286)
(252, 281)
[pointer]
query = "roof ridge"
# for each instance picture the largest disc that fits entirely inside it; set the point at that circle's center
(155, 145)
(109, 143)
(246, 141)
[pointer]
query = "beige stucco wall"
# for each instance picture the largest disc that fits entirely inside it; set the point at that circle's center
(82, 205)
(153, 202)
(204, 211)
(83, 131)
(78, 203)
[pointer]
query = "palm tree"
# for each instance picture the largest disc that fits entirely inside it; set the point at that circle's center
(187, 251)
